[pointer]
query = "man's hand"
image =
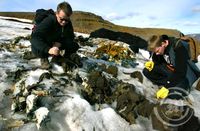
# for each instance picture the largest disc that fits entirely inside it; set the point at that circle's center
(149, 65)
(54, 51)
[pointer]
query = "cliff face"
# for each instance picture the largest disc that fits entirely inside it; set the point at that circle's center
(87, 22)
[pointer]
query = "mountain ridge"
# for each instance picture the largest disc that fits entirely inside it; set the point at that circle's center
(87, 22)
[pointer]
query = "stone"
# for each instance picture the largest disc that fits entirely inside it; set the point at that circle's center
(198, 85)
(113, 70)
(145, 108)
(135, 42)
(138, 75)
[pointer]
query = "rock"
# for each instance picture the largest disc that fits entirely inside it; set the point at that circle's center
(157, 124)
(198, 85)
(14, 123)
(30, 102)
(113, 70)
(44, 75)
(76, 59)
(66, 63)
(129, 63)
(28, 55)
(82, 41)
(138, 75)
(17, 39)
(169, 117)
(26, 28)
(127, 101)
(192, 124)
(16, 75)
(8, 92)
(135, 42)
(145, 108)
(113, 51)
(41, 114)
(96, 89)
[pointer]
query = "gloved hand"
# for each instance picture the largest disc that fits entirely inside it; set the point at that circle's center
(162, 93)
(149, 65)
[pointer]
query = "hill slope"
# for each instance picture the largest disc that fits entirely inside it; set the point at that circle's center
(86, 22)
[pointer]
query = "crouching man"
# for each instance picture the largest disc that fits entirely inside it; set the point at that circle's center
(171, 65)
(52, 34)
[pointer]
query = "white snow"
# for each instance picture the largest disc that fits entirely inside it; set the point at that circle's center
(19, 19)
(33, 76)
(12, 29)
(81, 34)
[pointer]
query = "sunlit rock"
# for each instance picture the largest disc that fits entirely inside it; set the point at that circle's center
(135, 42)
(20, 88)
(41, 114)
(137, 75)
(198, 85)
(96, 89)
(30, 101)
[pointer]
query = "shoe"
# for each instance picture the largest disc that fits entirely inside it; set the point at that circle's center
(57, 60)
(29, 55)
(45, 63)
(67, 65)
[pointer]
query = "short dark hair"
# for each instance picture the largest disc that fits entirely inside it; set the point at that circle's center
(156, 41)
(66, 7)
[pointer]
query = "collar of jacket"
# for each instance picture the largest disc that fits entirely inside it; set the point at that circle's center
(172, 42)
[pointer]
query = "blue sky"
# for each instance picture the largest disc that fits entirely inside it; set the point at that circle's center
(183, 15)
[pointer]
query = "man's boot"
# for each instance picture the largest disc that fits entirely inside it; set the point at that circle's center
(76, 59)
(45, 63)
(29, 55)
(57, 60)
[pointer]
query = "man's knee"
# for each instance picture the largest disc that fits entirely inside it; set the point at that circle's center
(39, 54)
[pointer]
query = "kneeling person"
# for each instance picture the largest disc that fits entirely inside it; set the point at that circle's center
(171, 65)
(52, 34)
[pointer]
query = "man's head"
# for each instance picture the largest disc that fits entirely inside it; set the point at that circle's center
(158, 43)
(63, 13)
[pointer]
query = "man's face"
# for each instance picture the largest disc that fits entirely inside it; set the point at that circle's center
(62, 18)
(160, 50)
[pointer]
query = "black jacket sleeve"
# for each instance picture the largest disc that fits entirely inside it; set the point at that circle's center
(39, 34)
(158, 59)
(68, 40)
(68, 36)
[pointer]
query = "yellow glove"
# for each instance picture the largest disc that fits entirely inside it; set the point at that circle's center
(162, 93)
(149, 65)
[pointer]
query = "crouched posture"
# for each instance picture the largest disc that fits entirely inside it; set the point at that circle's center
(52, 34)
(171, 65)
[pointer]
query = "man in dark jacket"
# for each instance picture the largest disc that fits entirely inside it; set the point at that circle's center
(171, 65)
(54, 33)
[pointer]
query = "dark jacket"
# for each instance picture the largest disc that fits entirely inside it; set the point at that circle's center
(49, 31)
(179, 59)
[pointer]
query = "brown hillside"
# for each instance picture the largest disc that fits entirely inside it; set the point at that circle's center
(86, 22)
